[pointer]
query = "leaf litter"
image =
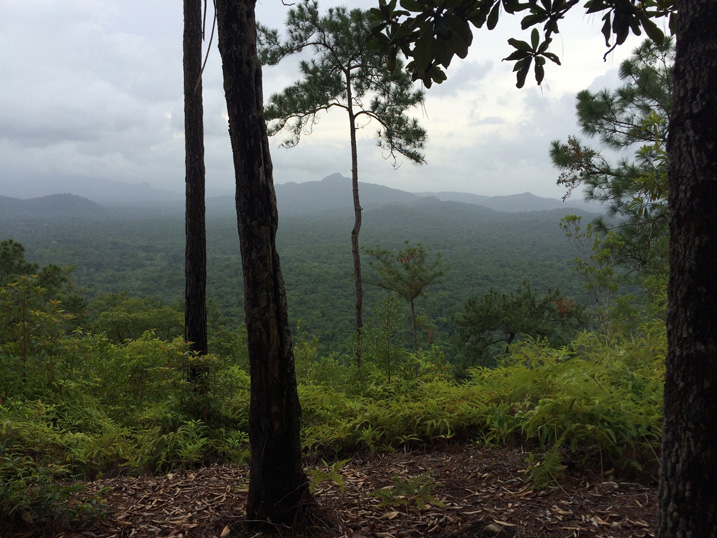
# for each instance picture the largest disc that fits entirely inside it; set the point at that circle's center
(479, 492)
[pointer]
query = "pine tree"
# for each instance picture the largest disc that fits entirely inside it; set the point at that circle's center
(278, 486)
(634, 191)
(347, 74)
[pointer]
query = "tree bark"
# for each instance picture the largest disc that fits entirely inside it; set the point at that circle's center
(358, 284)
(688, 504)
(195, 265)
(278, 487)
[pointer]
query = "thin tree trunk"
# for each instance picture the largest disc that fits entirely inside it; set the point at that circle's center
(195, 267)
(358, 285)
(415, 328)
(23, 322)
(688, 503)
(278, 487)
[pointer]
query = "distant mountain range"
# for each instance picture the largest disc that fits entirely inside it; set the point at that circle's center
(334, 192)
(54, 205)
(102, 191)
(331, 195)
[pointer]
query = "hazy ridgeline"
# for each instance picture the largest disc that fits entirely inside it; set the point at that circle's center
(141, 251)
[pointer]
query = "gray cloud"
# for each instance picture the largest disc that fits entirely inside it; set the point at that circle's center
(92, 89)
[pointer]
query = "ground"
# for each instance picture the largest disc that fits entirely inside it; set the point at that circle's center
(483, 493)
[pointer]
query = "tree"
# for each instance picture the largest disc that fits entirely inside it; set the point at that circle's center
(688, 506)
(33, 327)
(489, 325)
(635, 191)
(344, 74)
(195, 257)
(278, 487)
(595, 266)
(388, 317)
(407, 273)
(35, 319)
(13, 262)
(122, 318)
(55, 280)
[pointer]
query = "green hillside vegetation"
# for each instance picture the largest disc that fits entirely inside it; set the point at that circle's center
(83, 401)
(99, 387)
(143, 255)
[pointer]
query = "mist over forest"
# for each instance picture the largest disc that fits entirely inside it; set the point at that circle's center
(486, 243)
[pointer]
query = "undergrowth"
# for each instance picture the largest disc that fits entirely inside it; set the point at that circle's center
(97, 407)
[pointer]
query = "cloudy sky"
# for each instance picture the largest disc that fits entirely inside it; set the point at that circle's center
(92, 92)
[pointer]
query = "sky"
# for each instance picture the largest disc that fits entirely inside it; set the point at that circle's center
(92, 92)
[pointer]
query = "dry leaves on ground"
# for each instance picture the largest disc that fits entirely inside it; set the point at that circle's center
(469, 492)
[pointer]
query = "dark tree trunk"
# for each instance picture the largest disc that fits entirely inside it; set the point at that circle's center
(195, 264)
(358, 284)
(278, 487)
(688, 482)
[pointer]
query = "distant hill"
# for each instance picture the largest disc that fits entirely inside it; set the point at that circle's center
(333, 194)
(103, 191)
(54, 205)
(330, 196)
(514, 203)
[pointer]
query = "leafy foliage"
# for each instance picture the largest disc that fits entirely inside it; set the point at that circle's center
(112, 406)
(489, 325)
(407, 273)
(431, 33)
(333, 474)
(403, 491)
(123, 318)
(594, 263)
(635, 191)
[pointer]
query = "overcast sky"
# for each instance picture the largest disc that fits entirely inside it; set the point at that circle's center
(92, 90)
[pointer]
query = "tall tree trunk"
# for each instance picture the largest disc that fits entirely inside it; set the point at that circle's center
(688, 504)
(278, 487)
(358, 284)
(195, 257)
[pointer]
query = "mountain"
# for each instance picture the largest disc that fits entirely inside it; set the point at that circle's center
(514, 203)
(330, 196)
(334, 193)
(102, 191)
(54, 205)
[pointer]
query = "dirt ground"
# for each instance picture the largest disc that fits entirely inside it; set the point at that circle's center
(483, 493)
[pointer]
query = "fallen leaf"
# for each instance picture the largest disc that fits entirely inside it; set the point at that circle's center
(492, 530)
(600, 521)
(225, 532)
(561, 512)
(26, 516)
(504, 523)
